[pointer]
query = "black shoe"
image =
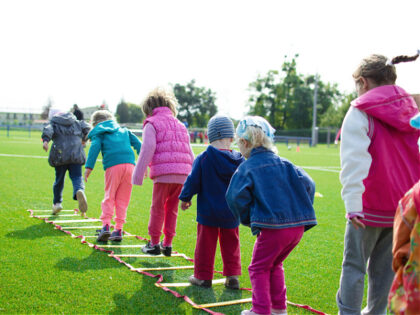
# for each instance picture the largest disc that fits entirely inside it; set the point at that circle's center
(151, 250)
(232, 282)
(200, 283)
(166, 250)
(104, 234)
(116, 236)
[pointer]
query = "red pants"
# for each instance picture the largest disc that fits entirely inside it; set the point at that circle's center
(205, 251)
(164, 212)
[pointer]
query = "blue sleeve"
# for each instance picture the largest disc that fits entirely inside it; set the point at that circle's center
(85, 129)
(135, 142)
(307, 182)
(95, 148)
(239, 197)
(193, 182)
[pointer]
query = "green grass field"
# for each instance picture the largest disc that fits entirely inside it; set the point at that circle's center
(43, 270)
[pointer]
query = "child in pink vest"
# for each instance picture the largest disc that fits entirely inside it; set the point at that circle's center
(379, 163)
(167, 151)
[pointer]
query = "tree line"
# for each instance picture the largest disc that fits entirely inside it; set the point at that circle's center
(283, 96)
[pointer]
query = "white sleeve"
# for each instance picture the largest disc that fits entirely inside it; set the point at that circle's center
(355, 158)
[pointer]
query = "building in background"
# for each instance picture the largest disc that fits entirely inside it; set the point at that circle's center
(19, 118)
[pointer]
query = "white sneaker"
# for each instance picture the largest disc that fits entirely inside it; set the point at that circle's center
(56, 208)
(81, 199)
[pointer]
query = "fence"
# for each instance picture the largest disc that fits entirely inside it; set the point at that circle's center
(19, 131)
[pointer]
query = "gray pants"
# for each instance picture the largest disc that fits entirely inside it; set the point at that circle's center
(371, 246)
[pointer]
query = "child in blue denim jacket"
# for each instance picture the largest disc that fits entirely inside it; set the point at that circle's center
(274, 198)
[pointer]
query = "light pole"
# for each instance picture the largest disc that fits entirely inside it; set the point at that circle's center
(314, 131)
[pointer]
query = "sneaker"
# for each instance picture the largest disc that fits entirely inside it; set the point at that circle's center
(56, 208)
(104, 234)
(232, 282)
(166, 250)
(116, 236)
(249, 312)
(81, 199)
(278, 312)
(152, 250)
(200, 283)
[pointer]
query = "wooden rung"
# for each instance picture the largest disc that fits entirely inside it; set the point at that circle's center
(51, 210)
(121, 246)
(62, 215)
(186, 284)
(224, 303)
(81, 227)
(163, 268)
(146, 256)
(76, 221)
(89, 236)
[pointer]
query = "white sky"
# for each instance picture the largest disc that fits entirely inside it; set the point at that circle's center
(89, 51)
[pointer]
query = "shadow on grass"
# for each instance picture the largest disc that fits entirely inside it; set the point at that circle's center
(95, 261)
(35, 231)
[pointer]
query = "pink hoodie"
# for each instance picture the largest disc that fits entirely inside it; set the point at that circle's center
(395, 157)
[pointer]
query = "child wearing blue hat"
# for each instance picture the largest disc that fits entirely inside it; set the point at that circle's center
(209, 178)
(274, 198)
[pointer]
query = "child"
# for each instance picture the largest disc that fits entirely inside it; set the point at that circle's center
(209, 179)
(404, 297)
(274, 198)
(118, 160)
(379, 163)
(68, 136)
(167, 150)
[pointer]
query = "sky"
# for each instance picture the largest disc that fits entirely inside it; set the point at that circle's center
(89, 52)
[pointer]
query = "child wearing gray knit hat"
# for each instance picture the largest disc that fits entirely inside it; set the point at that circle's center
(220, 127)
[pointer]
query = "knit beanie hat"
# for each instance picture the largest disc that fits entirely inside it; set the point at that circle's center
(220, 127)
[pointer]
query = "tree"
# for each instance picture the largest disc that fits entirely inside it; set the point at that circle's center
(285, 97)
(196, 104)
(129, 113)
(122, 114)
(46, 109)
(334, 115)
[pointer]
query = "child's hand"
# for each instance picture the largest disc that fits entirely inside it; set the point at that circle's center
(45, 146)
(185, 205)
(357, 223)
(87, 173)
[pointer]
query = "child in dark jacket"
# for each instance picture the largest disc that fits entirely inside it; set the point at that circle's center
(209, 179)
(67, 154)
(118, 160)
(274, 198)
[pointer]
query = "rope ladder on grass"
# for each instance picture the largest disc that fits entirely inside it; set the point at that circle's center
(145, 271)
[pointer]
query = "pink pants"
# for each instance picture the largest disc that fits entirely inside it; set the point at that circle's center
(266, 270)
(205, 251)
(117, 194)
(164, 212)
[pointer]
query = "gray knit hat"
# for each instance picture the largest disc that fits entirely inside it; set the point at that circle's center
(220, 127)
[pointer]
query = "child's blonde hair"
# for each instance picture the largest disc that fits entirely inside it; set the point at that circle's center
(379, 69)
(100, 116)
(160, 97)
(257, 131)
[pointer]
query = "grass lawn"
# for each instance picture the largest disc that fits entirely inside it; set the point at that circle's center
(43, 270)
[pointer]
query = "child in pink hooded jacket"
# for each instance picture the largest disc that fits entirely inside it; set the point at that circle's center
(167, 151)
(379, 163)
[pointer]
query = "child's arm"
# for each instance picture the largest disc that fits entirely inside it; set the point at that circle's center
(146, 154)
(134, 141)
(94, 150)
(85, 130)
(191, 185)
(307, 182)
(239, 197)
(47, 134)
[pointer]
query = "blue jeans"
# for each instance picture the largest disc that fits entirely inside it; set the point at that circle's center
(75, 173)
(368, 250)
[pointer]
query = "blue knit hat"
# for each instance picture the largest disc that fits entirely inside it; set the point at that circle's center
(220, 127)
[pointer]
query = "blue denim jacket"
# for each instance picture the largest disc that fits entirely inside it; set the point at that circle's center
(270, 192)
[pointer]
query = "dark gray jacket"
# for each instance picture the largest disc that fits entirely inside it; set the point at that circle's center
(66, 133)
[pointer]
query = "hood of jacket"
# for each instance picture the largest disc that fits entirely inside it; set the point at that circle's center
(389, 104)
(225, 162)
(108, 126)
(66, 119)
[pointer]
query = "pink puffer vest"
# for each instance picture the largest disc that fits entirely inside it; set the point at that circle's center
(172, 154)
(395, 157)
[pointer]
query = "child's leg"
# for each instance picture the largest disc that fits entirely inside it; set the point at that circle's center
(171, 213)
(60, 173)
(231, 251)
(157, 211)
(75, 173)
(112, 182)
(123, 194)
(358, 245)
(270, 246)
(205, 250)
(380, 274)
(289, 238)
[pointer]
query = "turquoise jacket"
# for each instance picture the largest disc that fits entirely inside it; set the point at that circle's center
(114, 142)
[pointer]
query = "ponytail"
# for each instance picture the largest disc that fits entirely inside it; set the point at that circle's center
(404, 58)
